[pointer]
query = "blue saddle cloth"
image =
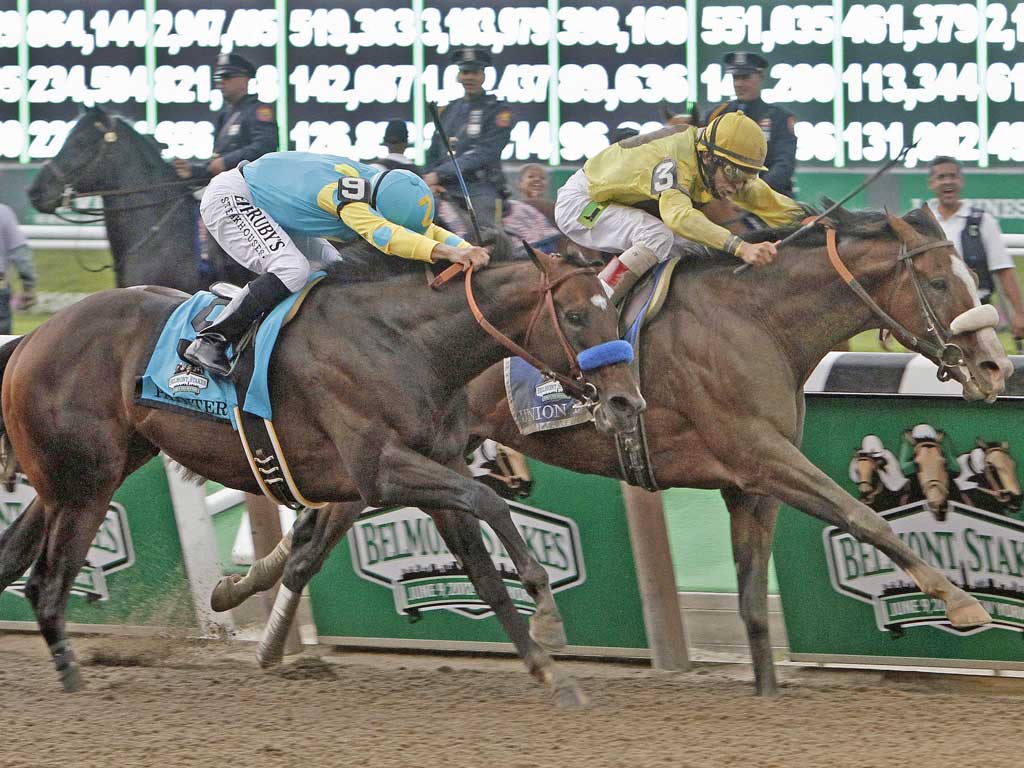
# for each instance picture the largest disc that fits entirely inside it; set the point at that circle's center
(170, 382)
(538, 403)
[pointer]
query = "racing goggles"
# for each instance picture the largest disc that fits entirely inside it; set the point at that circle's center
(736, 175)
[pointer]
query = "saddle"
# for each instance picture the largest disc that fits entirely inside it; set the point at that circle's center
(167, 382)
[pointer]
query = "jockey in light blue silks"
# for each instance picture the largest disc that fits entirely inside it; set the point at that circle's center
(267, 212)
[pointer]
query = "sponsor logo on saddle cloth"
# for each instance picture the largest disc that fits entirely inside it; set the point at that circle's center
(188, 378)
(401, 550)
(975, 540)
(111, 549)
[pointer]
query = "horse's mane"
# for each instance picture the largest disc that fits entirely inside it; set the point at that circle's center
(866, 223)
(362, 262)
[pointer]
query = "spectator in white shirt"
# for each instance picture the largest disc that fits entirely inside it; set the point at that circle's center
(14, 253)
(977, 238)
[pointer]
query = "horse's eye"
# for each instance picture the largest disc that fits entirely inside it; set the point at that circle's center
(574, 318)
(939, 284)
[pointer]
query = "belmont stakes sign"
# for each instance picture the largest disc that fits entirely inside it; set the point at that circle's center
(111, 548)
(980, 551)
(400, 549)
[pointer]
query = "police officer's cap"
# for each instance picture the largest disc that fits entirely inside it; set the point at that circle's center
(233, 65)
(396, 132)
(471, 59)
(744, 63)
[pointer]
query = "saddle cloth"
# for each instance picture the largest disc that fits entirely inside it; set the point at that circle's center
(171, 383)
(538, 403)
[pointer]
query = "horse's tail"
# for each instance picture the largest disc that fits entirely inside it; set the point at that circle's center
(8, 461)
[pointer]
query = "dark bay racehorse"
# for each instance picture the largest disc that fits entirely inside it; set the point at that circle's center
(722, 367)
(149, 211)
(368, 390)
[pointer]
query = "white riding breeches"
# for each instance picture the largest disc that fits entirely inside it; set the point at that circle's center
(251, 237)
(618, 226)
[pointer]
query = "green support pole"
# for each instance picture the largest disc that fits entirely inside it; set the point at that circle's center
(838, 64)
(419, 110)
(281, 62)
(23, 111)
(150, 55)
(554, 105)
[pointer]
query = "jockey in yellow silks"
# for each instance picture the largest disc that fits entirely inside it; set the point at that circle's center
(680, 168)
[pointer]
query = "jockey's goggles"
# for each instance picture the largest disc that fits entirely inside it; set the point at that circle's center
(736, 175)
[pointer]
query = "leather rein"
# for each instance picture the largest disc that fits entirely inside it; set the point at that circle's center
(948, 356)
(576, 386)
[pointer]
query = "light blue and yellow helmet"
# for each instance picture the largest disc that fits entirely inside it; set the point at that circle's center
(403, 198)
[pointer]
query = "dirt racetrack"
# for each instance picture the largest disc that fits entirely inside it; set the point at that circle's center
(156, 702)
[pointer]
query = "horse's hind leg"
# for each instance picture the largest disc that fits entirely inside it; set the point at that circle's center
(20, 543)
(752, 523)
(462, 534)
(314, 535)
(71, 529)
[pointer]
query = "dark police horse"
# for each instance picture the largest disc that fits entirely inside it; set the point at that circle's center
(150, 214)
(368, 386)
(722, 367)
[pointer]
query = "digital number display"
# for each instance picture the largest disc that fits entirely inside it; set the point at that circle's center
(862, 79)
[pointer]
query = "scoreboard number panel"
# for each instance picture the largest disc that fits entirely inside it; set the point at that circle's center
(861, 78)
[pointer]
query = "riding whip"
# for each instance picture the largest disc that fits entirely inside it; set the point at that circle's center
(835, 206)
(458, 171)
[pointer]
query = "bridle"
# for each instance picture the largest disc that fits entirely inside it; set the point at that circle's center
(576, 386)
(949, 357)
(63, 176)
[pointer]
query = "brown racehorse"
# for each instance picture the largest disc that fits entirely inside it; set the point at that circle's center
(722, 369)
(368, 389)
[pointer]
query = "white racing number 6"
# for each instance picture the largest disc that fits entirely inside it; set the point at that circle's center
(663, 178)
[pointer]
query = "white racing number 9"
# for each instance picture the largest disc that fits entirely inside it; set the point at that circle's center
(353, 189)
(663, 178)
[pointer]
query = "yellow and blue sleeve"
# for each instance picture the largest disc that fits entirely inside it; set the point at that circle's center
(394, 239)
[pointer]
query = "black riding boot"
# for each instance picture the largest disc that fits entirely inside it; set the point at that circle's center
(210, 349)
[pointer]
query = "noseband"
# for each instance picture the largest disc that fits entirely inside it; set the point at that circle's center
(577, 386)
(947, 356)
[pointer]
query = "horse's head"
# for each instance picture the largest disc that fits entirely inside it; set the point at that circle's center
(865, 471)
(588, 322)
(934, 297)
(101, 151)
(1000, 473)
(932, 472)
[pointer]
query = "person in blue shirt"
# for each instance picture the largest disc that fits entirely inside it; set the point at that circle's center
(270, 214)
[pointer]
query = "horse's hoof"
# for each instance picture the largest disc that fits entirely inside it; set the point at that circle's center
(269, 657)
(71, 677)
(548, 633)
(967, 613)
(569, 695)
(223, 596)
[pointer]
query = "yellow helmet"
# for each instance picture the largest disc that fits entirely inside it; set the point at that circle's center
(735, 138)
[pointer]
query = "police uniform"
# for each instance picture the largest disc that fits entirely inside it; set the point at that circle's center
(776, 123)
(478, 129)
(243, 131)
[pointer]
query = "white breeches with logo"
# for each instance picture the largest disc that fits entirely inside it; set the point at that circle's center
(616, 228)
(250, 235)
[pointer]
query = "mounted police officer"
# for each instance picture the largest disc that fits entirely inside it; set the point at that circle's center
(478, 126)
(270, 216)
(245, 129)
(976, 235)
(747, 70)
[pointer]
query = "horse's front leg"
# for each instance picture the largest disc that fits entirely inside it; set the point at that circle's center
(752, 525)
(404, 477)
(20, 543)
(785, 473)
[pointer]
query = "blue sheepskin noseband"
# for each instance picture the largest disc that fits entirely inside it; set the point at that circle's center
(609, 353)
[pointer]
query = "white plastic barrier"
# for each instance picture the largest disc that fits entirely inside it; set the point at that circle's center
(66, 237)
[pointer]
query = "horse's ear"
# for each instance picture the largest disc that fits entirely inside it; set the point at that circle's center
(908, 436)
(903, 230)
(979, 442)
(1005, 445)
(541, 261)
